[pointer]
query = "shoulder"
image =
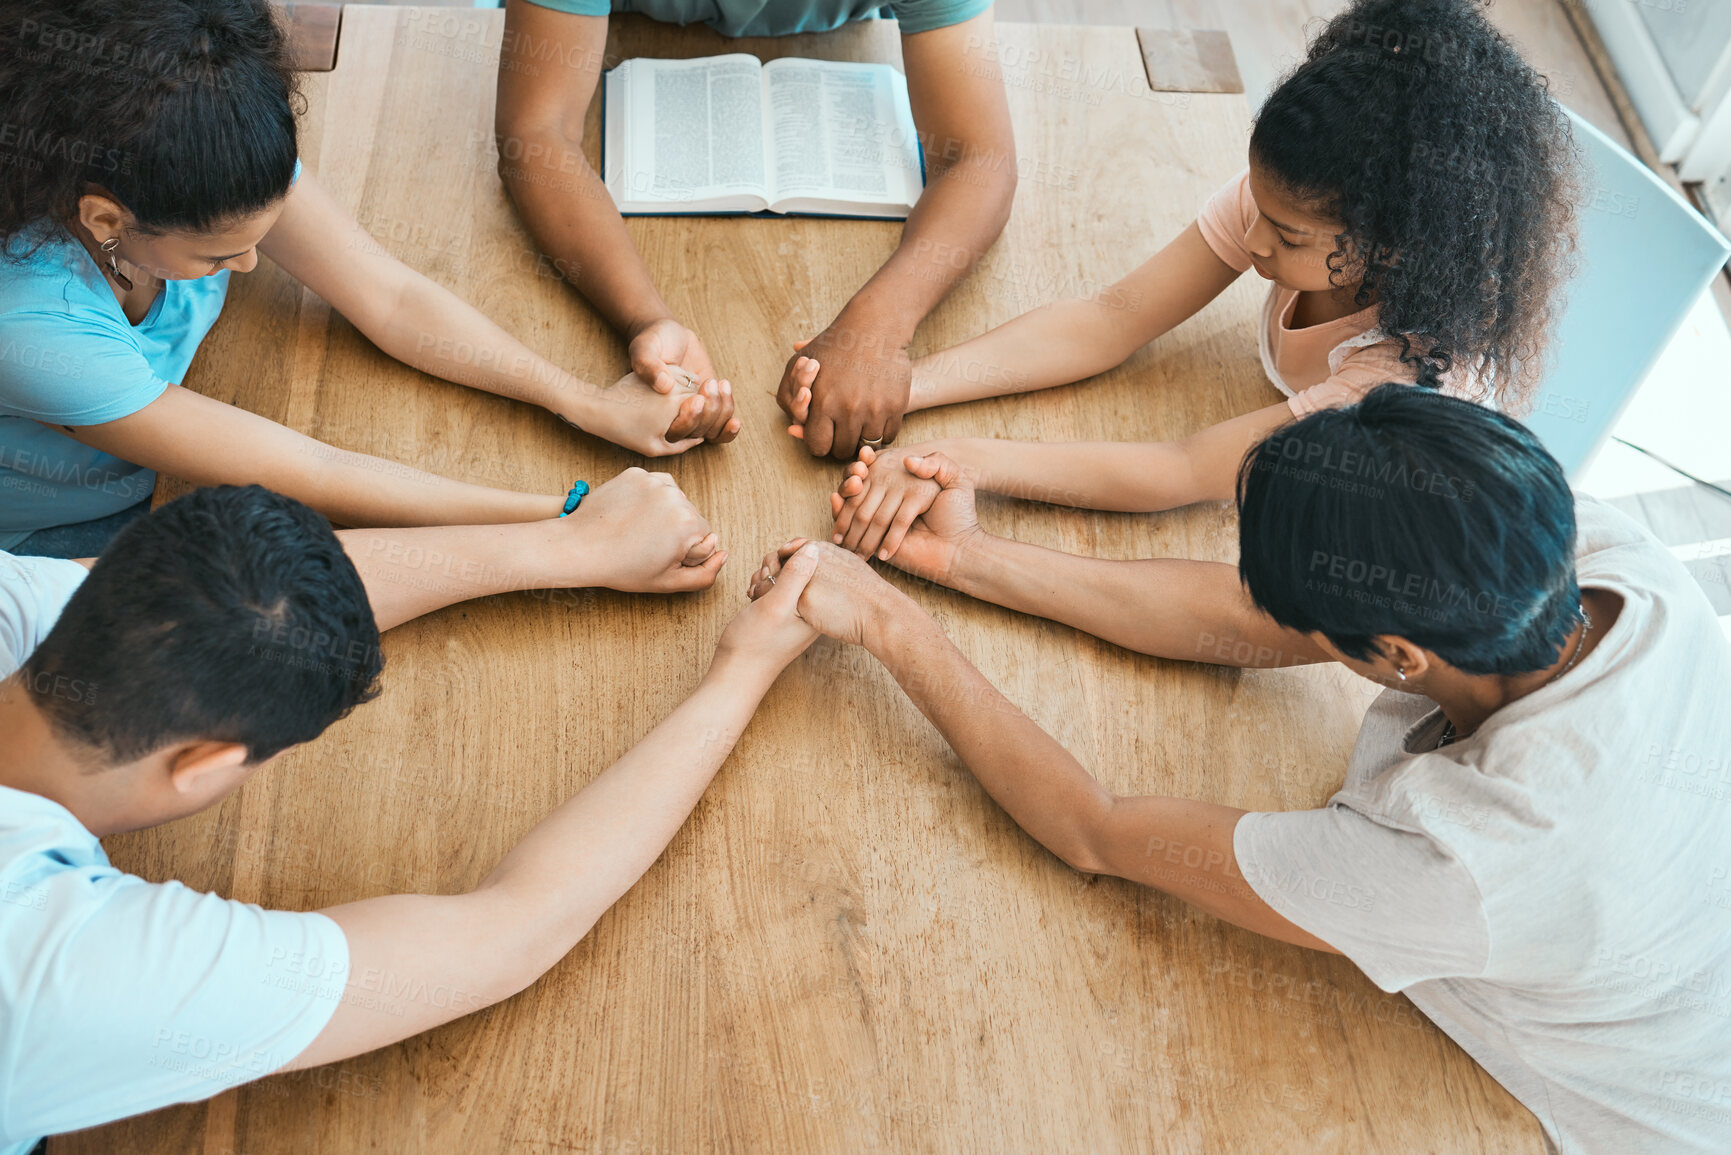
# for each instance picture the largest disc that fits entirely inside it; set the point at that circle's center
(916, 16)
(33, 592)
(1226, 218)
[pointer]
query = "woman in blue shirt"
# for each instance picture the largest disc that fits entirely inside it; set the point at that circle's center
(149, 150)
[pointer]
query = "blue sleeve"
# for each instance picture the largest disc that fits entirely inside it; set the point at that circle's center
(577, 7)
(916, 16)
(140, 995)
(71, 369)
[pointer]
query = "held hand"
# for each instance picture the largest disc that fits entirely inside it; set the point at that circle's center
(939, 537)
(859, 393)
(841, 598)
(631, 414)
(646, 534)
(769, 632)
(661, 349)
(878, 501)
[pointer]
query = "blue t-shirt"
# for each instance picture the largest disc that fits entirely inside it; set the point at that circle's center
(117, 995)
(69, 356)
(781, 17)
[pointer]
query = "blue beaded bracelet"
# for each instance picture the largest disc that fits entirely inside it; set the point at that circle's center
(575, 497)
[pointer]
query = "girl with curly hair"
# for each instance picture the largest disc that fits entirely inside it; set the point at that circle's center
(1410, 197)
(149, 150)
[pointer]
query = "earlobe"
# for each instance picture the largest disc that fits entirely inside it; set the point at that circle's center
(207, 768)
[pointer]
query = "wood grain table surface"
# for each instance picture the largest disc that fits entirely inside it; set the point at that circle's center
(848, 947)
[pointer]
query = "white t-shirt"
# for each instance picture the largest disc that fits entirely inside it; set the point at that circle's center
(119, 996)
(1552, 891)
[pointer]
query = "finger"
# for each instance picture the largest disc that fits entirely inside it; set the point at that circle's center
(805, 371)
(872, 539)
(795, 573)
(904, 521)
(728, 432)
(698, 577)
(688, 420)
(852, 486)
(867, 454)
(801, 404)
(800, 344)
(648, 364)
(849, 510)
(717, 410)
(892, 426)
(844, 441)
(701, 550)
(819, 435)
(789, 548)
(936, 467)
(835, 504)
(669, 448)
(862, 518)
(797, 431)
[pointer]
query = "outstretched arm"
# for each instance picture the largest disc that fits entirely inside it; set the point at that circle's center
(637, 533)
(1071, 340)
(1177, 845)
(1168, 607)
(546, 894)
(423, 324)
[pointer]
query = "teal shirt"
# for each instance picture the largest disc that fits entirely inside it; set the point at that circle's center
(780, 17)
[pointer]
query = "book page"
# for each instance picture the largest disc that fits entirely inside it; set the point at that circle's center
(841, 133)
(694, 133)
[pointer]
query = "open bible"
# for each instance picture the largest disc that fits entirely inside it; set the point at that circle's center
(729, 134)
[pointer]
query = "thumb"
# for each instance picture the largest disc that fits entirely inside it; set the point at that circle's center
(648, 363)
(699, 577)
(937, 467)
(796, 573)
(800, 344)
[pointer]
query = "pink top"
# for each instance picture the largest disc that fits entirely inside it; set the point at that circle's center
(1319, 366)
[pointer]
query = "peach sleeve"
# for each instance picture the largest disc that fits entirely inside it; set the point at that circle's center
(1225, 220)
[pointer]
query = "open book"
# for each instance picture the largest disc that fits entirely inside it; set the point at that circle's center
(728, 134)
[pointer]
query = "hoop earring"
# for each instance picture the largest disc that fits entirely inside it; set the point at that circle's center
(120, 278)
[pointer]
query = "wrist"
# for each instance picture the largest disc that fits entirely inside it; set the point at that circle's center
(977, 557)
(893, 619)
(741, 672)
(633, 326)
(869, 315)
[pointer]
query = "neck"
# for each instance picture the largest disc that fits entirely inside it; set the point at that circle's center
(37, 763)
(1468, 699)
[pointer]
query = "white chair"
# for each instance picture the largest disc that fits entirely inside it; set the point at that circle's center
(1645, 256)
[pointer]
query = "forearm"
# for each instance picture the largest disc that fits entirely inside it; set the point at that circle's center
(581, 858)
(958, 217)
(1167, 607)
(1024, 769)
(582, 238)
(440, 334)
(355, 489)
(410, 572)
(1055, 344)
(1122, 476)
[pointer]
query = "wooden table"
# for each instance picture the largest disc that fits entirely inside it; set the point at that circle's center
(849, 947)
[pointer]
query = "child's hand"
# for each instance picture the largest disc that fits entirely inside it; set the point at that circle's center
(630, 413)
(804, 373)
(879, 499)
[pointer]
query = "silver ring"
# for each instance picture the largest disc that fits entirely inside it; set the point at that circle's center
(874, 442)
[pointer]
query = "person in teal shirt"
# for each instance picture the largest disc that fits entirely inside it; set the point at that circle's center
(128, 196)
(837, 400)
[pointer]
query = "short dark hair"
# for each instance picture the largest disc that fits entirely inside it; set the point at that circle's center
(229, 615)
(1418, 126)
(182, 109)
(1416, 515)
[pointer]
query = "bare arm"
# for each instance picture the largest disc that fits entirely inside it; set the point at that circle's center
(207, 442)
(423, 324)
(1177, 845)
(1071, 340)
(545, 895)
(963, 118)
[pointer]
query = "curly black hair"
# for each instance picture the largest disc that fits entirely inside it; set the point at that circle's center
(1453, 173)
(183, 110)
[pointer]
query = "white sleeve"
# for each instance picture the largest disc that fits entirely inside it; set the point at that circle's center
(33, 591)
(140, 995)
(1394, 902)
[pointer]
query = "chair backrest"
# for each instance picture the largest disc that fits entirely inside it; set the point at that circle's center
(1645, 255)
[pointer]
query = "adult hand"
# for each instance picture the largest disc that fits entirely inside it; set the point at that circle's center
(938, 538)
(640, 534)
(631, 414)
(662, 349)
(859, 393)
(842, 598)
(770, 632)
